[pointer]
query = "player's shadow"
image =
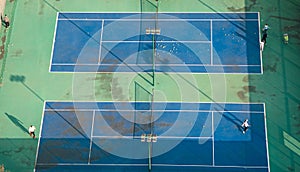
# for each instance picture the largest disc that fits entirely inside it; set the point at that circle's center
(231, 118)
(2, 21)
(219, 107)
(21, 79)
(17, 122)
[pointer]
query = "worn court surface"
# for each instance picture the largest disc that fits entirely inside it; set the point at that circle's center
(200, 42)
(26, 57)
(103, 135)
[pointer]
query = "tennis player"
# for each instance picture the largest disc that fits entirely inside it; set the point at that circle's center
(266, 28)
(245, 126)
(31, 131)
(286, 38)
(6, 21)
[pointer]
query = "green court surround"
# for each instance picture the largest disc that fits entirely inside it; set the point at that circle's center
(26, 51)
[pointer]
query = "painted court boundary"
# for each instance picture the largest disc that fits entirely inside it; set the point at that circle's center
(100, 67)
(157, 164)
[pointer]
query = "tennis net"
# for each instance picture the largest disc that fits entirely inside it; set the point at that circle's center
(154, 38)
(147, 55)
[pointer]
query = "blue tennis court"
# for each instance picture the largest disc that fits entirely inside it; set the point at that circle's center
(163, 42)
(113, 136)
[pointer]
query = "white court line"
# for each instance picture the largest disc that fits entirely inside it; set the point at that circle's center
(211, 43)
(112, 72)
(135, 65)
(266, 133)
(40, 136)
(260, 52)
(163, 165)
(151, 20)
(83, 164)
(216, 166)
(53, 42)
(101, 38)
(185, 102)
(158, 137)
(91, 139)
(130, 12)
(213, 138)
(159, 41)
(160, 110)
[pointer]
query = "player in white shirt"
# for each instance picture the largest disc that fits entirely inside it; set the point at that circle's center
(245, 126)
(31, 130)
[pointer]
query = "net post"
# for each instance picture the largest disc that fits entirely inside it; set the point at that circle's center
(150, 156)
